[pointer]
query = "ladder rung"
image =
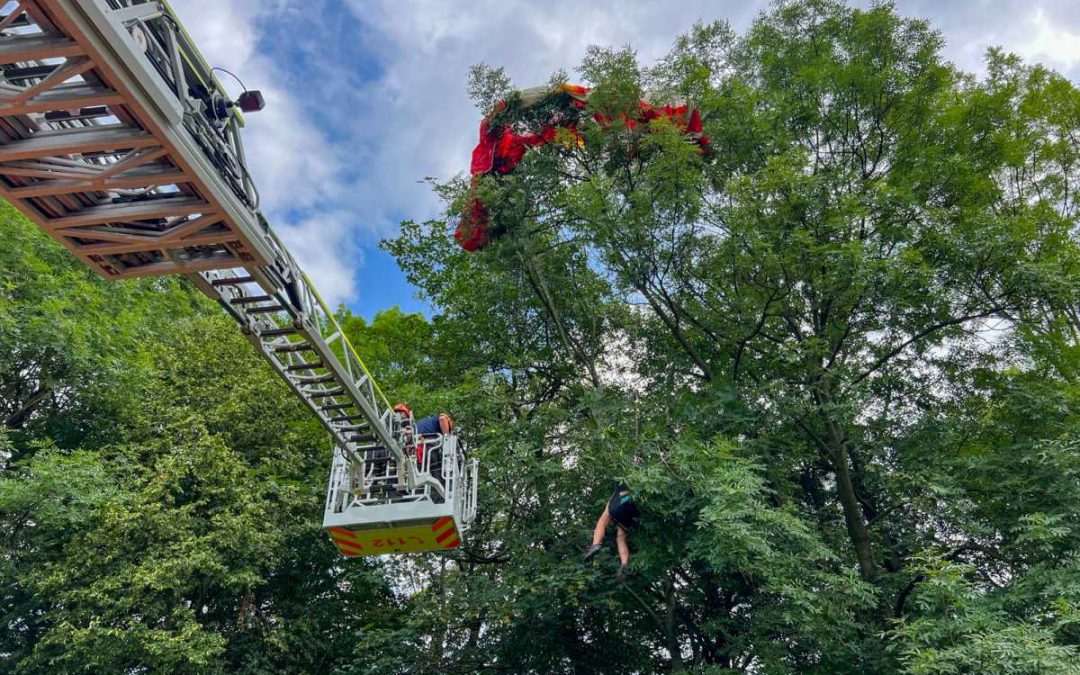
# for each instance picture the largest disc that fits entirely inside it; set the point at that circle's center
(348, 418)
(363, 438)
(305, 366)
(336, 406)
(269, 309)
(294, 347)
(350, 430)
(126, 212)
(318, 380)
(84, 99)
(76, 141)
(249, 299)
(325, 394)
(276, 332)
(35, 48)
(234, 281)
(20, 22)
(138, 177)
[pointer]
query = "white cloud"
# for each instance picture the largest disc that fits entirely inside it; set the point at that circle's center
(417, 119)
(323, 243)
(1043, 30)
(354, 140)
(295, 166)
(1050, 42)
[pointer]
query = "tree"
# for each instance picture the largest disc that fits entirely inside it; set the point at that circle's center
(874, 238)
(177, 527)
(62, 331)
(845, 341)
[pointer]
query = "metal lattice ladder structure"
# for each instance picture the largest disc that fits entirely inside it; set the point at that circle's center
(118, 142)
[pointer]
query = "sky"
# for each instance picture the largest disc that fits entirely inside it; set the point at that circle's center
(367, 98)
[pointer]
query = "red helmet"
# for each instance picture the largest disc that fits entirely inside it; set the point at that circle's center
(403, 409)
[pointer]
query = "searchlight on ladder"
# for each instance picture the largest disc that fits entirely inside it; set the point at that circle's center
(118, 142)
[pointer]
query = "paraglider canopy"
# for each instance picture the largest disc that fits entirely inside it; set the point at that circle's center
(503, 144)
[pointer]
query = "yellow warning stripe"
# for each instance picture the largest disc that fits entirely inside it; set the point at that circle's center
(441, 534)
(346, 541)
(349, 550)
(446, 533)
(341, 532)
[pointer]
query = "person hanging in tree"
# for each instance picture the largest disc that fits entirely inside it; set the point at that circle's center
(621, 510)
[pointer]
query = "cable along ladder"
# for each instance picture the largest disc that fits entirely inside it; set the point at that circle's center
(118, 142)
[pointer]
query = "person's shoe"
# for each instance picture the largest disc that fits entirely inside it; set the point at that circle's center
(593, 550)
(621, 574)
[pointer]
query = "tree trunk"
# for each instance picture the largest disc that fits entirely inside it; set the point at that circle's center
(20, 416)
(857, 530)
(845, 486)
(677, 665)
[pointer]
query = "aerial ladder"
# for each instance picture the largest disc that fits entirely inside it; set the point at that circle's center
(117, 141)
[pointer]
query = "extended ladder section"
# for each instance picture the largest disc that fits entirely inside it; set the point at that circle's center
(119, 143)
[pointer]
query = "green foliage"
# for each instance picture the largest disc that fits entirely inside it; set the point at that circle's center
(62, 333)
(845, 339)
(844, 344)
(487, 86)
(962, 631)
(182, 534)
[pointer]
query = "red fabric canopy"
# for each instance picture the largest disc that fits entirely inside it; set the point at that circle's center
(501, 149)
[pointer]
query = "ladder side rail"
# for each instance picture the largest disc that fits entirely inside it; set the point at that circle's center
(227, 137)
(474, 471)
(139, 12)
(372, 400)
(285, 266)
(177, 65)
(257, 327)
(161, 95)
(233, 132)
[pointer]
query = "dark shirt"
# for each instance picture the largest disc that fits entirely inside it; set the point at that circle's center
(621, 507)
(428, 426)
